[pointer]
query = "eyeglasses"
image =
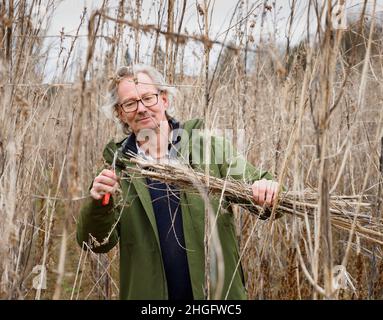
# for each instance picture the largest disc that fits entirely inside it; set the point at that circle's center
(148, 101)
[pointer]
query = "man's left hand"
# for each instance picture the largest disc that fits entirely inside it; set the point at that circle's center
(265, 192)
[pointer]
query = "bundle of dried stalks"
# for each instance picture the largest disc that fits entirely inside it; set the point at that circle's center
(347, 212)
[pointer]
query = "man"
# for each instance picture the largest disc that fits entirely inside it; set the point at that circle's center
(159, 228)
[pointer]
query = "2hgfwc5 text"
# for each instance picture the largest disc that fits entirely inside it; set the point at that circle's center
(191, 310)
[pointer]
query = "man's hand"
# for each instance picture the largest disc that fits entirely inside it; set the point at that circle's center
(105, 182)
(265, 192)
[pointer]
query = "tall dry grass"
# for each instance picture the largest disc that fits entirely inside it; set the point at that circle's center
(312, 114)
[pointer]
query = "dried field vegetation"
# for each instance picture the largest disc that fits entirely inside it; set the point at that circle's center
(312, 114)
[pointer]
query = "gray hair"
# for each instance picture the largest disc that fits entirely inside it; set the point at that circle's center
(109, 108)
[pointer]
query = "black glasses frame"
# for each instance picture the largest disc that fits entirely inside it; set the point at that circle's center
(143, 103)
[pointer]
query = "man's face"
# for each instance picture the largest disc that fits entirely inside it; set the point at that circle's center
(143, 117)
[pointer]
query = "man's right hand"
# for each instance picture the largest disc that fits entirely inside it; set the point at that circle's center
(105, 182)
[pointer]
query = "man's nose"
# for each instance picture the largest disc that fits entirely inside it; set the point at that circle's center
(140, 106)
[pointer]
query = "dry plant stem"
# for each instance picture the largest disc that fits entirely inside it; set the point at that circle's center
(78, 271)
(93, 29)
(83, 271)
(63, 242)
(34, 168)
(293, 143)
(105, 272)
(46, 242)
(379, 131)
(137, 32)
(169, 43)
(182, 38)
(213, 248)
(324, 227)
(313, 282)
(241, 256)
(74, 41)
(221, 263)
(175, 56)
(208, 250)
(341, 208)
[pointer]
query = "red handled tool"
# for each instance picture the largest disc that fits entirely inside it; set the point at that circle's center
(106, 198)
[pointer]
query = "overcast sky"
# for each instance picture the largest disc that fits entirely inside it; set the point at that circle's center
(67, 18)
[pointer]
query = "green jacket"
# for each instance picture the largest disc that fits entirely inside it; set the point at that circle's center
(130, 221)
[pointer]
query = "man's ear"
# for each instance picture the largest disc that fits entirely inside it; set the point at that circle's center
(165, 99)
(117, 111)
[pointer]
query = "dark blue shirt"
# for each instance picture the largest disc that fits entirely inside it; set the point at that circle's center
(166, 205)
